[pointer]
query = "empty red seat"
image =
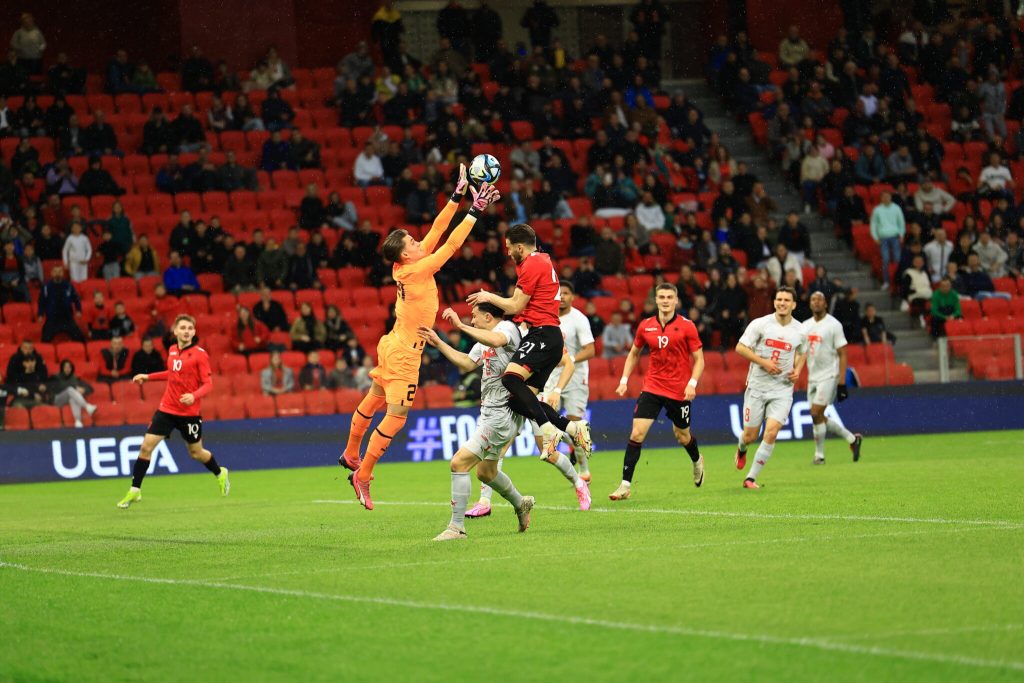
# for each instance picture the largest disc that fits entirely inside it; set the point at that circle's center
(259, 406)
(46, 417)
(290, 405)
(995, 308)
(17, 420)
(970, 309)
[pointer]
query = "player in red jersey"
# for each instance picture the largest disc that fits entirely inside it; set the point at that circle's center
(188, 380)
(535, 307)
(677, 362)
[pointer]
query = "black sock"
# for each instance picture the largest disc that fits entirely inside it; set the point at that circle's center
(212, 465)
(553, 417)
(631, 459)
(523, 402)
(139, 471)
(692, 450)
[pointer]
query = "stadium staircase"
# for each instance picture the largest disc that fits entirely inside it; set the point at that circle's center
(914, 346)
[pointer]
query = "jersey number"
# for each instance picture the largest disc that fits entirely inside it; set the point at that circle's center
(685, 411)
(176, 366)
(776, 354)
(411, 394)
(662, 341)
(526, 348)
(193, 428)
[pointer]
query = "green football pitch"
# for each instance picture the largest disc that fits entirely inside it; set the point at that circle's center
(906, 566)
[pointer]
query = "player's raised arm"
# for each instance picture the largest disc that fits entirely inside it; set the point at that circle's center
(512, 305)
(459, 359)
(492, 338)
(444, 218)
(482, 198)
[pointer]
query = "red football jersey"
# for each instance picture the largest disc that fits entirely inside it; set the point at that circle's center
(188, 372)
(671, 346)
(537, 278)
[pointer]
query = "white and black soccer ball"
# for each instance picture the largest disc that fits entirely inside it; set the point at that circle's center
(484, 169)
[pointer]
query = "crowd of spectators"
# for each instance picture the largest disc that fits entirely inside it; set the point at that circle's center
(849, 127)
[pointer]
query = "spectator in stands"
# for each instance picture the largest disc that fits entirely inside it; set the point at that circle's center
(354, 66)
(276, 154)
(420, 205)
(796, 237)
(813, 169)
(147, 359)
(277, 378)
(341, 215)
(272, 266)
(313, 375)
(32, 264)
(231, 177)
(887, 230)
(76, 253)
(157, 133)
(28, 44)
(115, 362)
(870, 168)
(782, 262)
(995, 180)
(97, 318)
(302, 270)
(65, 79)
(270, 312)
(307, 332)
(277, 113)
(901, 165)
(197, 72)
(178, 278)
(539, 20)
(13, 285)
(249, 334)
(27, 383)
(67, 389)
(649, 215)
(992, 94)
(945, 305)
(70, 137)
(916, 288)
(978, 282)
(368, 167)
(305, 152)
(120, 324)
(873, 329)
(239, 272)
(937, 253)
(25, 158)
(929, 193)
(187, 132)
(338, 332)
(119, 74)
(141, 260)
(793, 50)
(97, 180)
(144, 79)
(312, 212)
(30, 118)
(340, 376)
(1014, 250)
(616, 337)
(220, 117)
(171, 176)
(992, 257)
(100, 137)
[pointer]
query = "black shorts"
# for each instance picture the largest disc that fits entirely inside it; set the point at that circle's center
(649, 406)
(190, 426)
(540, 352)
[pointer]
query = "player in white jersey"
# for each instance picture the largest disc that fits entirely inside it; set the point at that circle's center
(497, 340)
(826, 376)
(776, 347)
(571, 394)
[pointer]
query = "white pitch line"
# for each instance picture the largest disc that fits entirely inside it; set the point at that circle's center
(553, 618)
(990, 628)
(719, 513)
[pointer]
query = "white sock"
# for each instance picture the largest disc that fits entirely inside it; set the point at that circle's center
(819, 441)
(839, 430)
(461, 488)
(134, 489)
(625, 483)
(582, 464)
(764, 451)
(742, 446)
(568, 471)
(506, 489)
(486, 491)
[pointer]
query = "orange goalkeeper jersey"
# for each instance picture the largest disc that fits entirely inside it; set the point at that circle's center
(417, 302)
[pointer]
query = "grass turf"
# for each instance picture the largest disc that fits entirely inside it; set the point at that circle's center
(905, 566)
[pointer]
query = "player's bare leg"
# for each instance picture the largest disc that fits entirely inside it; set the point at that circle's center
(139, 469)
(636, 442)
(200, 454)
(764, 451)
(688, 441)
(823, 425)
(381, 438)
(361, 419)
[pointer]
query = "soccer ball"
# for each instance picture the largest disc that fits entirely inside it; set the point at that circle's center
(484, 169)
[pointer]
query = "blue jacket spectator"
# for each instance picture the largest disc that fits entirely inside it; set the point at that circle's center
(179, 279)
(869, 168)
(171, 176)
(276, 154)
(58, 302)
(119, 74)
(277, 113)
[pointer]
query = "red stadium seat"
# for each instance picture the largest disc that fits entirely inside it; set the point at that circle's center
(46, 417)
(290, 405)
(259, 406)
(319, 402)
(17, 420)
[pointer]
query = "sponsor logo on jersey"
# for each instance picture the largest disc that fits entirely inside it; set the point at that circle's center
(778, 344)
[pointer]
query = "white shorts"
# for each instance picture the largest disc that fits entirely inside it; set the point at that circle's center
(757, 408)
(822, 393)
(495, 428)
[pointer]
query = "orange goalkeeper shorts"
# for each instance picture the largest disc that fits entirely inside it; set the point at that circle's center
(398, 368)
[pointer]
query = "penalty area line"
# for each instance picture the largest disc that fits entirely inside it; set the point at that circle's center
(813, 643)
(720, 513)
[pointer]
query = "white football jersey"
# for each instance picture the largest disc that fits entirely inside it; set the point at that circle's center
(824, 339)
(492, 393)
(768, 339)
(577, 333)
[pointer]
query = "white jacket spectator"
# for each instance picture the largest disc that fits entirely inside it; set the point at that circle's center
(649, 214)
(77, 252)
(617, 338)
(993, 258)
(369, 170)
(994, 177)
(782, 261)
(928, 193)
(937, 253)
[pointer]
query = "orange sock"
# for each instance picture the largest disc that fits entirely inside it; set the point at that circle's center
(370, 404)
(379, 442)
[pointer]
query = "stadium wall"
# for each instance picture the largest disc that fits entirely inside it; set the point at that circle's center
(57, 455)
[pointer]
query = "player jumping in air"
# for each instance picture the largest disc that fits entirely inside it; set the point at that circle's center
(535, 305)
(826, 376)
(565, 388)
(188, 378)
(677, 363)
(396, 376)
(776, 346)
(496, 342)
